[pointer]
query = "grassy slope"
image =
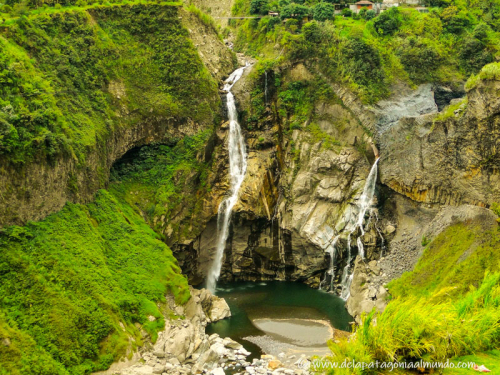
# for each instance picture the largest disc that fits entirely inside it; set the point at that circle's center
(69, 280)
(56, 68)
(490, 359)
(445, 308)
(457, 258)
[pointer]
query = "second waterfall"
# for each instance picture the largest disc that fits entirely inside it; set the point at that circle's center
(237, 170)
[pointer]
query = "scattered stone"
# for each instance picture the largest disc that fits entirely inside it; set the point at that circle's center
(274, 364)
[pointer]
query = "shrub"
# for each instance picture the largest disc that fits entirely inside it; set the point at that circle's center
(481, 32)
(454, 21)
(312, 32)
(370, 14)
(323, 11)
(388, 22)
(296, 11)
(346, 12)
(361, 61)
(420, 59)
(474, 54)
(259, 7)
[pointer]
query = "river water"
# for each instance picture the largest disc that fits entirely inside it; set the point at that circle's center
(274, 317)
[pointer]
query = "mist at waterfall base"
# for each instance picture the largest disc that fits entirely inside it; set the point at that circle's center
(237, 170)
(273, 304)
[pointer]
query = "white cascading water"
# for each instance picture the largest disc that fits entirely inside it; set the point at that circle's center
(237, 170)
(330, 274)
(364, 203)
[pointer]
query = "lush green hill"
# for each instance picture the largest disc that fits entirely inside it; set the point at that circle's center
(77, 287)
(60, 73)
(448, 306)
(71, 279)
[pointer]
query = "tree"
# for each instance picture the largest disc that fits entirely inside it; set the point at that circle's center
(296, 11)
(370, 14)
(474, 54)
(453, 20)
(388, 22)
(323, 11)
(361, 62)
(312, 32)
(420, 59)
(259, 7)
(481, 32)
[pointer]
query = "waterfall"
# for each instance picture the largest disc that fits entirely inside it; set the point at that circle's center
(330, 274)
(237, 169)
(265, 87)
(364, 203)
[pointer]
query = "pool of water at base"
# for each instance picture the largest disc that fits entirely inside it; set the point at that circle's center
(280, 314)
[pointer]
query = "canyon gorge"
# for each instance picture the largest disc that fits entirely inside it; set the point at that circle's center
(149, 151)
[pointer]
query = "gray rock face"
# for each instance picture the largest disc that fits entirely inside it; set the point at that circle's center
(407, 104)
(450, 159)
(294, 199)
(364, 296)
(413, 221)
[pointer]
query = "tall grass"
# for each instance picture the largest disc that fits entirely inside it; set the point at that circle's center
(433, 329)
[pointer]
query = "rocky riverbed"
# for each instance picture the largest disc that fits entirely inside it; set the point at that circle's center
(184, 348)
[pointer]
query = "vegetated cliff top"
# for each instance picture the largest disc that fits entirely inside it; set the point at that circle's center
(371, 52)
(71, 76)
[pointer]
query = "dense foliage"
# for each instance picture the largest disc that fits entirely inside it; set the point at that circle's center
(71, 280)
(163, 180)
(59, 73)
(371, 52)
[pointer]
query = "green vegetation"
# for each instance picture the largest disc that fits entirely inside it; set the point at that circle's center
(456, 258)
(489, 72)
(163, 180)
(79, 289)
(296, 103)
(448, 306)
(370, 53)
(71, 280)
(61, 74)
(490, 358)
(433, 329)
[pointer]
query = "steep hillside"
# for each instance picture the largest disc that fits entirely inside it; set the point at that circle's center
(371, 172)
(84, 86)
(75, 285)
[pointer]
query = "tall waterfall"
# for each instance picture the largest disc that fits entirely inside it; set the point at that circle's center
(365, 202)
(237, 170)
